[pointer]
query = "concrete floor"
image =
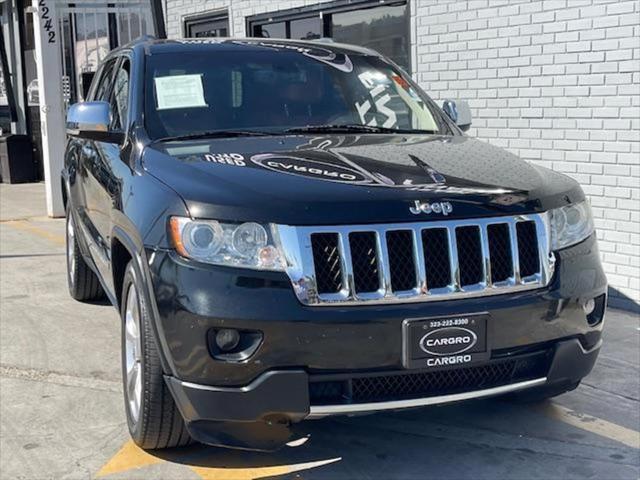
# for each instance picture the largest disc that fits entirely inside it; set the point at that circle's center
(62, 414)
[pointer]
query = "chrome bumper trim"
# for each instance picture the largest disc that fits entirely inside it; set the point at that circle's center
(326, 410)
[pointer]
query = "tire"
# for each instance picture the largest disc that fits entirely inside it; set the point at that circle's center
(540, 394)
(153, 418)
(83, 283)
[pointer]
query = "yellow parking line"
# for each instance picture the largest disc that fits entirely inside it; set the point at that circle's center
(211, 473)
(612, 431)
(130, 456)
(26, 226)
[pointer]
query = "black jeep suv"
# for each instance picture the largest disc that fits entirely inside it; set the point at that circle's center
(295, 229)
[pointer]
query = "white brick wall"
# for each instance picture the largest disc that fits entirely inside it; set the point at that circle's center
(238, 10)
(558, 83)
(554, 81)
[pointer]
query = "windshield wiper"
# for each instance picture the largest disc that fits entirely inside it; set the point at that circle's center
(217, 134)
(348, 128)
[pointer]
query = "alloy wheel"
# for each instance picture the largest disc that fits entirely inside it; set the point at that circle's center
(133, 354)
(71, 242)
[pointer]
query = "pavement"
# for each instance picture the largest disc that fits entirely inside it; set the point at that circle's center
(62, 413)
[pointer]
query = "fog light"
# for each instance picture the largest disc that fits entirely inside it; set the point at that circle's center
(589, 306)
(227, 339)
(231, 345)
(595, 310)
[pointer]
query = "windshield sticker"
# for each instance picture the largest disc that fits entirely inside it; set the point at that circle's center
(377, 85)
(179, 91)
(354, 173)
(226, 159)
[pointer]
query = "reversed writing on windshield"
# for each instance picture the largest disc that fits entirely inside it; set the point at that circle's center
(379, 96)
(226, 159)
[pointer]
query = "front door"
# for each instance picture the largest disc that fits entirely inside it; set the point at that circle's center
(107, 166)
(92, 172)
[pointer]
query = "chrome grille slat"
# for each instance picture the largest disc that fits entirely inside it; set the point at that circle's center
(486, 256)
(383, 262)
(454, 265)
(347, 264)
(515, 258)
(418, 254)
(298, 248)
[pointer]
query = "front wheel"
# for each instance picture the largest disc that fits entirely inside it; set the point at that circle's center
(152, 416)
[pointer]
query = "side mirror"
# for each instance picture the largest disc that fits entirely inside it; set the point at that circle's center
(91, 120)
(459, 112)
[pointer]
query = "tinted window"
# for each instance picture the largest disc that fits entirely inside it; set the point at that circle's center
(306, 29)
(120, 99)
(372, 24)
(274, 90)
(272, 30)
(214, 26)
(103, 87)
(383, 29)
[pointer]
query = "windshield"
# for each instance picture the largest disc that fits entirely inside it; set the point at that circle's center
(280, 91)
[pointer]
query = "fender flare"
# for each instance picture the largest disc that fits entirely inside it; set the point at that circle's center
(140, 263)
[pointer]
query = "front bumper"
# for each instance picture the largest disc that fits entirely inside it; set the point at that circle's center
(250, 403)
(258, 415)
(190, 299)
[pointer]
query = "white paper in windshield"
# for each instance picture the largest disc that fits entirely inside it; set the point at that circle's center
(179, 91)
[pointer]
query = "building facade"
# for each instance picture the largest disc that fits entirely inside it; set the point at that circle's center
(84, 31)
(556, 82)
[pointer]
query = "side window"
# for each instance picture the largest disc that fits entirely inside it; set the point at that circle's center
(103, 87)
(120, 98)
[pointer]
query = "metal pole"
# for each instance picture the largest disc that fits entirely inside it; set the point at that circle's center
(158, 19)
(52, 113)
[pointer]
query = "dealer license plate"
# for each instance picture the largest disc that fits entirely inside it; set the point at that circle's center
(445, 342)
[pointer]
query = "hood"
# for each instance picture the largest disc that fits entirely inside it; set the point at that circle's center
(352, 179)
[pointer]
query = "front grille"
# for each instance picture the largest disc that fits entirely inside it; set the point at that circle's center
(423, 262)
(401, 262)
(326, 258)
(405, 386)
(528, 249)
(364, 258)
(500, 252)
(469, 255)
(435, 243)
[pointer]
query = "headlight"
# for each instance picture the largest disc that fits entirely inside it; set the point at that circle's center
(570, 225)
(246, 245)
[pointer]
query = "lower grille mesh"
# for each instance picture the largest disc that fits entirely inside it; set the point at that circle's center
(365, 261)
(378, 388)
(469, 255)
(401, 262)
(436, 257)
(528, 249)
(326, 258)
(500, 252)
